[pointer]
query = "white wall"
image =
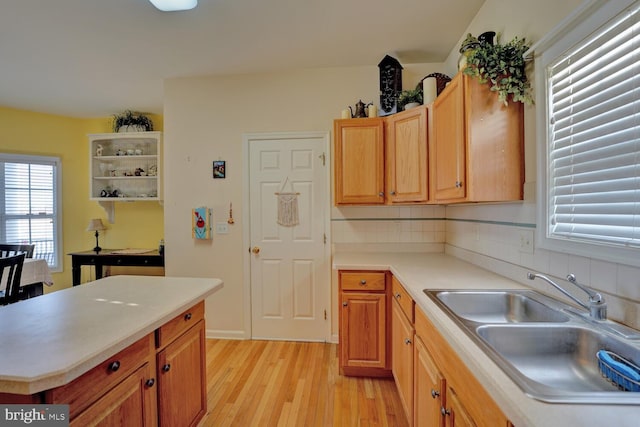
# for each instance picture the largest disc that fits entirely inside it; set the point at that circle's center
(490, 235)
(206, 117)
(204, 120)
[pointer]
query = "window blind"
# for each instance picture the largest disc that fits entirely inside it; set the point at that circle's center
(594, 137)
(28, 213)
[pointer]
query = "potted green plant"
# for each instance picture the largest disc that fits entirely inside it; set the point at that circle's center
(129, 121)
(409, 98)
(502, 67)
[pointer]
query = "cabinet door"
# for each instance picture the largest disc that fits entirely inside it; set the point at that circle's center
(182, 380)
(448, 157)
(457, 415)
(406, 156)
(359, 161)
(429, 389)
(132, 403)
(363, 331)
(402, 335)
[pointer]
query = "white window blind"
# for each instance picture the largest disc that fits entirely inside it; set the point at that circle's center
(593, 142)
(29, 204)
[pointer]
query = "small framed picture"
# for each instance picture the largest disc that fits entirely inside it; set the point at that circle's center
(219, 169)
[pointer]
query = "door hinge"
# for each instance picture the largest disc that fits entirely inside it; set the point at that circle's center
(324, 238)
(325, 315)
(323, 157)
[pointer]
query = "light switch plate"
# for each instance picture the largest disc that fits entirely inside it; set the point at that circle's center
(222, 228)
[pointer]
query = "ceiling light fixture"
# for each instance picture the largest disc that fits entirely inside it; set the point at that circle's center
(174, 5)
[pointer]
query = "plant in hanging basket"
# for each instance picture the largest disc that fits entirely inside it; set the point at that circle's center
(131, 121)
(502, 66)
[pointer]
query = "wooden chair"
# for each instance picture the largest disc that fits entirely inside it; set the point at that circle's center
(7, 249)
(13, 265)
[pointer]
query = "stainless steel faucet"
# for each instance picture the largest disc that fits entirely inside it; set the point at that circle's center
(597, 306)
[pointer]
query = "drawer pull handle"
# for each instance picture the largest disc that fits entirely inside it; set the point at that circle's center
(363, 282)
(187, 316)
(150, 382)
(435, 393)
(114, 366)
(398, 295)
(407, 341)
(166, 367)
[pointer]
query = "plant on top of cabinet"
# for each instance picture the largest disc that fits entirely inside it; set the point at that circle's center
(408, 97)
(502, 66)
(129, 121)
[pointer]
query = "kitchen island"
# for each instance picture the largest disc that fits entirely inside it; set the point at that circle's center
(50, 343)
(419, 271)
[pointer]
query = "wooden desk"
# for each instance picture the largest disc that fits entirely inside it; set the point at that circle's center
(112, 257)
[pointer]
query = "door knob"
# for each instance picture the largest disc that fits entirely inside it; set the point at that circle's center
(255, 250)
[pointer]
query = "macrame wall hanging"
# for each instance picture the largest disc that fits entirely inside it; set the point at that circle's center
(287, 206)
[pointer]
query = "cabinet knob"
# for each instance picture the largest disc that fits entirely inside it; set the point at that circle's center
(381, 194)
(407, 341)
(397, 295)
(458, 184)
(166, 367)
(344, 304)
(363, 282)
(444, 411)
(393, 193)
(114, 366)
(435, 393)
(187, 316)
(150, 382)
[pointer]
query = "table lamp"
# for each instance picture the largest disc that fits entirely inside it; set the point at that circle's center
(96, 225)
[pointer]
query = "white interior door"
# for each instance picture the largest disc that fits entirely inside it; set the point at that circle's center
(290, 272)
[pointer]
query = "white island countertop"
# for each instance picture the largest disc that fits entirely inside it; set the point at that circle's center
(419, 271)
(48, 341)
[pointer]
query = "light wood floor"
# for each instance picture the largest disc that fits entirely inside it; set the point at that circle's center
(279, 383)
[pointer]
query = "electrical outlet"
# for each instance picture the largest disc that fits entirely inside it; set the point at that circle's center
(222, 228)
(526, 241)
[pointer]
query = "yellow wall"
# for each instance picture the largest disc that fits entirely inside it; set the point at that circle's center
(138, 224)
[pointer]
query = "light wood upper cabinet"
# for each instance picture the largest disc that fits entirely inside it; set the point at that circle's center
(382, 160)
(359, 161)
(406, 156)
(476, 154)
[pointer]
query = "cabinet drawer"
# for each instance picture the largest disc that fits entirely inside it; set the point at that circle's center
(362, 280)
(403, 298)
(86, 389)
(179, 324)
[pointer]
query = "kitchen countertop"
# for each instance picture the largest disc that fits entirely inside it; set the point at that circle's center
(50, 340)
(418, 271)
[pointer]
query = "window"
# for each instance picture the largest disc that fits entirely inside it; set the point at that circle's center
(588, 72)
(29, 204)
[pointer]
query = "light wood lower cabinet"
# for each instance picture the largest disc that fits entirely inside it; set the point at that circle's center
(107, 387)
(428, 389)
(363, 343)
(402, 349)
(463, 400)
(181, 380)
(158, 380)
(131, 403)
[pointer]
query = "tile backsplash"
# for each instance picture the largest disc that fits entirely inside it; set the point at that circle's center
(485, 237)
